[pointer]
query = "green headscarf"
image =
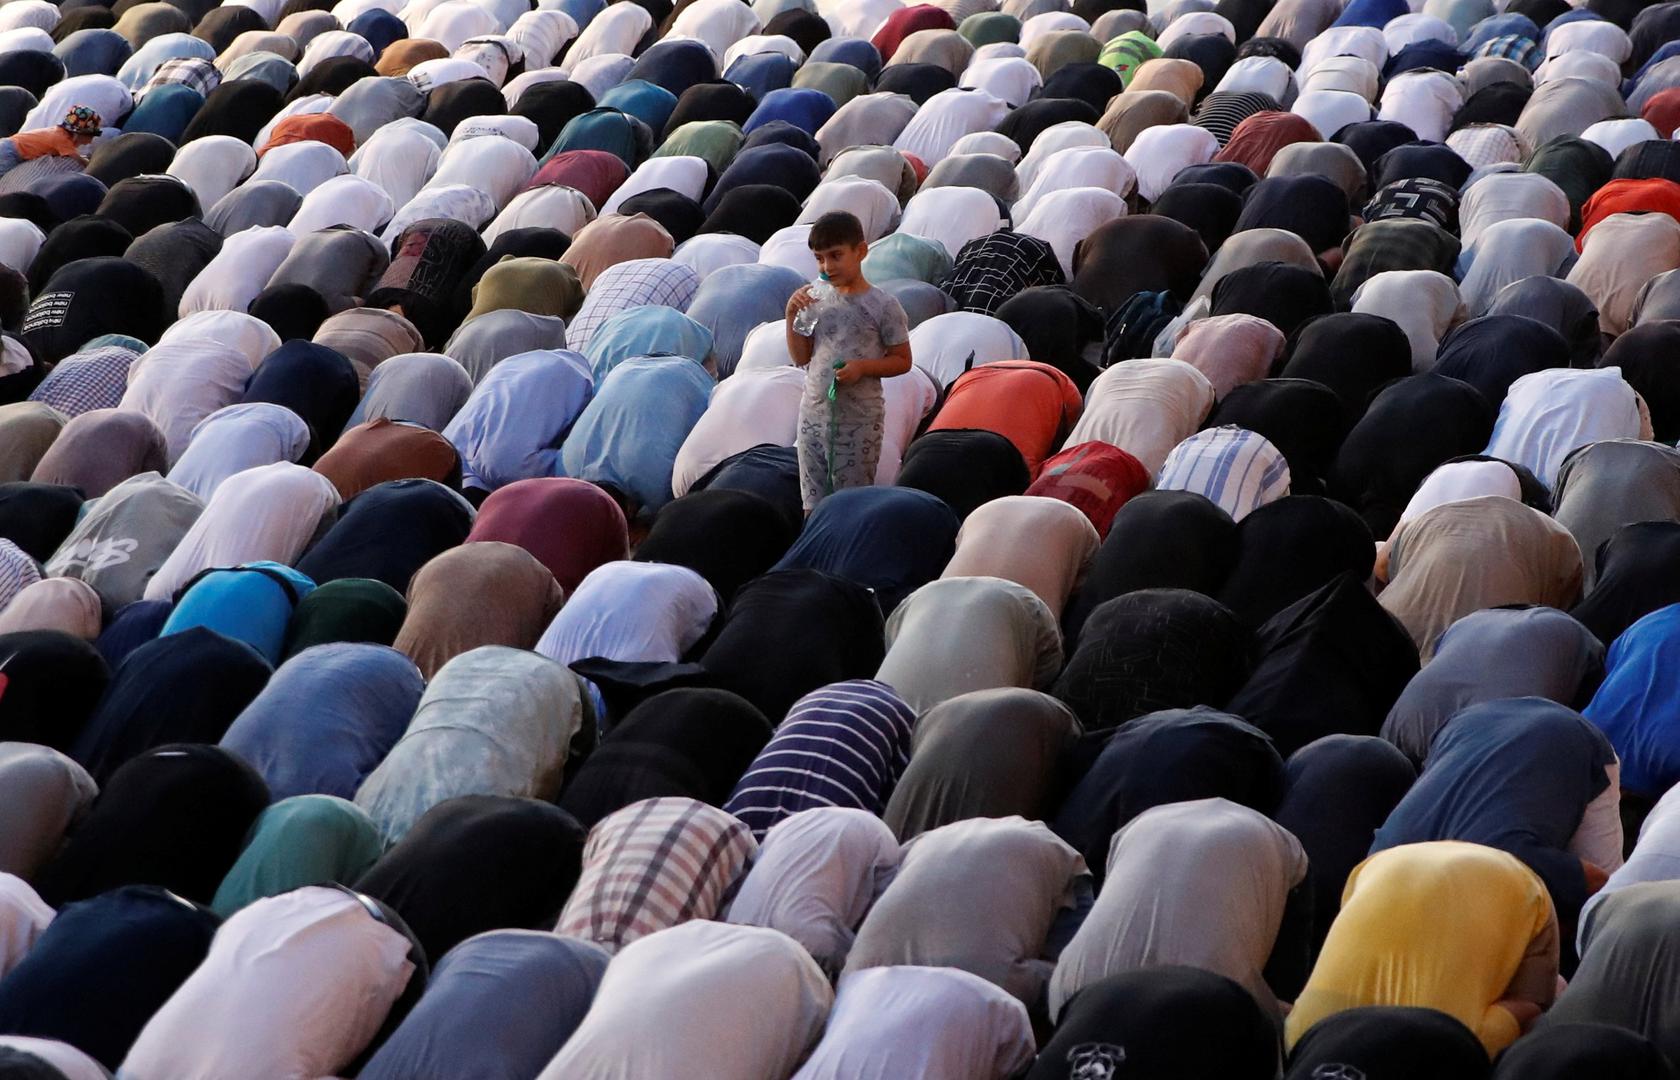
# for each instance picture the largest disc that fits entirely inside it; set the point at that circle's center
(349, 609)
(303, 840)
(1128, 52)
(989, 28)
(714, 141)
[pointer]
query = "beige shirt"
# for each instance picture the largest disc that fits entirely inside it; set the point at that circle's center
(1041, 543)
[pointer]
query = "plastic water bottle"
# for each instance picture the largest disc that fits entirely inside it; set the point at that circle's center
(805, 323)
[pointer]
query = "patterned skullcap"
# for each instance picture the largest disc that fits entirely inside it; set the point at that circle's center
(80, 120)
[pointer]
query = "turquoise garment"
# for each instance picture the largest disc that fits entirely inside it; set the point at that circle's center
(630, 433)
(251, 603)
(650, 330)
(166, 111)
(120, 341)
(901, 255)
(616, 132)
(304, 840)
(647, 102)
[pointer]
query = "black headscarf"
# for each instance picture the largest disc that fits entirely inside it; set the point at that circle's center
(291, 311)
(175, 254)
(1211, 209)
(1371, 139)
(1154, 649)
(175, 816)
(966, 467)
(1492, 352)
(755, 211)
(223, 24)
(1158, 540)
(186, 687)
(1213, 53)
(1289, 549)
(388, 532)
(819, 628)
(130, 154)
(727, 537)
(680, 215)
(31, 70)
(1283, 294)
(1177, 755)
(1314, 208)
(1234, 176)
(313, 381)
(30, 207)
(1338, 791)
(690, 742)
(1638, 572)
(1165, 1023)
(713, 100)
(1389, 1042)
(1093, 84)
(429, 260)
(918, 82)
(1567, 1051)
(1646, 356)
(779, 164)
(476, 863)
(1577, 166)
(1560, 305)
(1652, 29)
(53, 682)
(239, 108)
(142, 203)
(1304, 419)
(86, 237)
(1331, 663)
(551, 106)
(1025, 123)
(15, 105)
(1431, 161)
(1138, 253)
(1057, 325)
(768, 471)
(463, 99)
(1413, 426)
(37, 517)
(103, 967)
(1496, 103)
(334, 75)
(105, 296)
(133, 624)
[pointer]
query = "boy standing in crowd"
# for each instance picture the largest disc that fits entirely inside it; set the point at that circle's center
(861, 337)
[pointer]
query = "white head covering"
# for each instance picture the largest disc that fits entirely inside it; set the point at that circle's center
(1424, 303)
(541, 35)
(946, 117)
(708, 252)
(683, 175)
(866, 199)
(1145, 407)
(614, 31)
(1160, 153)
(552, 206)
(1012, 79)
(941, 345)
(213, 166)
(343, 200)
(236, 438)
(294, 985)
(951, 216)
(1076, 167)
(237, 273)
(270, 512)
(462, 202)
(717, 23)
(518, 128)
(1546, 414)
(302, 166)
(1066, 217)
(1458, 480)
(333, 43)
(496, 166)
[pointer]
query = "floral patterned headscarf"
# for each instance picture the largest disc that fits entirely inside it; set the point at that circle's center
(81, 120)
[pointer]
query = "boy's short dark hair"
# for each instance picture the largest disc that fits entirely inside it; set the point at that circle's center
(836, 229)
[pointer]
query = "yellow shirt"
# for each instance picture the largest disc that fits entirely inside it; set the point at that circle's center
(1443, 925)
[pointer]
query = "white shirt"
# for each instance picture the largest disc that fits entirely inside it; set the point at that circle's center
(1160, 153)
(815, 877)
(1013, 79)
(270, 512)
(748, 408)
(302, 166)
(1546, 414)
(236, 438)
(1065, 218)
(24, 917)
(551, 206)
(942, 345)
(951, 216)
(868, 200)
(1145, 407)
(1424, 303)
(682, 174)
(213, 166)
(343, 200)
(1077, 167)
(632, 611)
(494, 165)
(946, 117)
(294, 987)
